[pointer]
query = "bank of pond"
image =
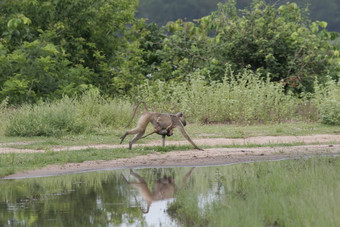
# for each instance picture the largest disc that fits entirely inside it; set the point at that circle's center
(296, 192)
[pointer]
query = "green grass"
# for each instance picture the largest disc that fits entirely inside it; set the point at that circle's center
(16, 162)
(275, 129)
(89, 113)
(194, 130)
(302, 192)
(11, 163)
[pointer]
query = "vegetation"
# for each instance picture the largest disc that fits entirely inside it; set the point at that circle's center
(50, 49)
(68, 200)
(71, 72)
(77, 68)
(244, 100)
(63, 63)
(17, 162)
(303, 192)
(54, 48)
(86, 114)
(161, 11)
(12, 163)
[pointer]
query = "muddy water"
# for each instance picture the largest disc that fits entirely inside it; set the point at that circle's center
(108, 198)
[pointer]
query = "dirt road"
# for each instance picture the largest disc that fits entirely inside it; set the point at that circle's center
(313, 145)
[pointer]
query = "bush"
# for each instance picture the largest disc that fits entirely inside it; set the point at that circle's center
(327, 101)
(88, 113)
(244, 98)
(273, 40)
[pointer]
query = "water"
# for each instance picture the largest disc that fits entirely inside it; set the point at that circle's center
(108, 198)
(138, 197)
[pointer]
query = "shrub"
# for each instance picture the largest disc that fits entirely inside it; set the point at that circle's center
(327, 101)
(88, 113)
(244, 98)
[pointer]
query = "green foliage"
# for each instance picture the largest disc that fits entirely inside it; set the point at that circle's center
(88, 113)
(52, 48)
(162, 11)
(57, 49)
(279, 42)
(327, 101)
(243, 98)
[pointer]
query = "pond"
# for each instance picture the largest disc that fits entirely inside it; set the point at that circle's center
(263, 193)
(128, 197)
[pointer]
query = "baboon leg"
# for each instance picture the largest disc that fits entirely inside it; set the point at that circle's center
(184, 133)
(137, 176)
(163, 173)
(123, 137)
(163, 140)
(130, 132)
(124, 179)
(137, 137)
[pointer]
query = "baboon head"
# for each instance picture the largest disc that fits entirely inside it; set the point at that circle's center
(181, 116)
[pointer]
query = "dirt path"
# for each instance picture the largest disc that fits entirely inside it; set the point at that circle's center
(314, 145)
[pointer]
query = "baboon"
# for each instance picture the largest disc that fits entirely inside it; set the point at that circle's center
(165, 188)
(163, 125)
(168, 131)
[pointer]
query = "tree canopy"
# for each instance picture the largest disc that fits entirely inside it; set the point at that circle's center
(51, 48)
(162, 11)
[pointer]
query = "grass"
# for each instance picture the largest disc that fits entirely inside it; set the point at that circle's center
(275, 129)
(89, 113)
(302, 192)
(194, 130)
(16, 162)
(11, 163)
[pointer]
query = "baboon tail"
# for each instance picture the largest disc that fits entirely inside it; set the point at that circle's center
(134, 112)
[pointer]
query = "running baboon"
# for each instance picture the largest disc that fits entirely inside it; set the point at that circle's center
(163, 125)
(165, 188)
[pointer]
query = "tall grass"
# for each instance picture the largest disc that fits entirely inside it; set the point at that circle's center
(4, 113)
(327, 101)
(88, 113)
(244, 98)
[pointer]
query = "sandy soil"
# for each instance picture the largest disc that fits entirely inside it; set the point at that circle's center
(314, 145)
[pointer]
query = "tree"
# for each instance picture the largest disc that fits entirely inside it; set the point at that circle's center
(276, 41)
(279, 41)
(49, 48)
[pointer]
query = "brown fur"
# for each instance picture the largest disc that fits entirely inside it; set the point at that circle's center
(163, 125)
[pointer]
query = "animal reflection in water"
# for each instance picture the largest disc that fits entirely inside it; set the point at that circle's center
(165, 188)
